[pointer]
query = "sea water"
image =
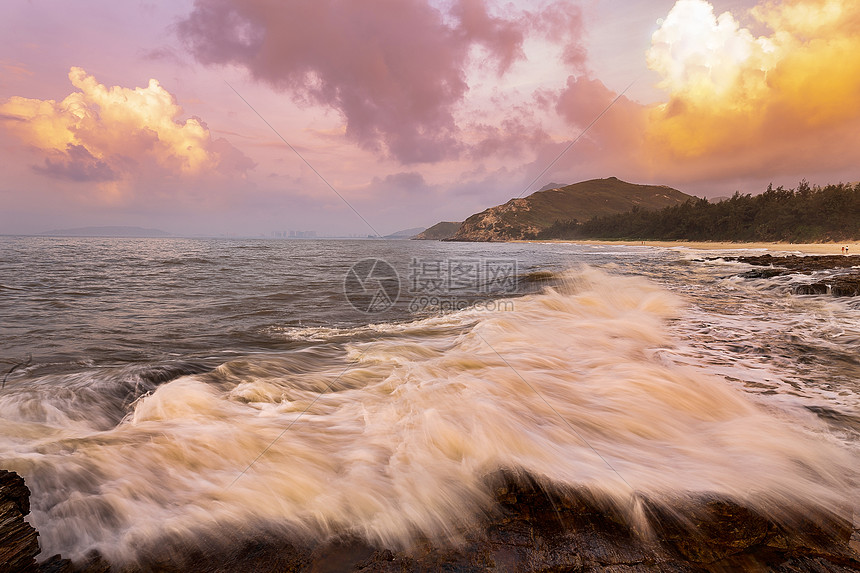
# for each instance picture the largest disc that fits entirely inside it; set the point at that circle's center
(213, 389)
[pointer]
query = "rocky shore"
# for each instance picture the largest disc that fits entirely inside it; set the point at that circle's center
(843, 284)
(19, 543)
(533, 529)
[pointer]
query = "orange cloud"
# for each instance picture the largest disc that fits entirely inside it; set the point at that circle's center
(787, 98)
(117, 134)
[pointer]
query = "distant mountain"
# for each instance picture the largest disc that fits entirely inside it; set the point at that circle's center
(439, 231)
(549, 186)
(523, 218)
(405, 233)
(116, 231)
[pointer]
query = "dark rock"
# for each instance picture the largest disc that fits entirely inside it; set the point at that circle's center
(57, 564)
(764, 273)
(534, 528)
(712, 532)
(19, 543)
(814, 288)
(847, 284)
(805, 264)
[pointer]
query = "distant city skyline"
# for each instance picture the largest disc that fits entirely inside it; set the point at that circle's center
(411, 111)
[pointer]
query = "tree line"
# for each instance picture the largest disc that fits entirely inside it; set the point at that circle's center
(802, 215)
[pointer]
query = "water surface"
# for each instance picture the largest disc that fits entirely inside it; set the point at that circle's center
(200, 388)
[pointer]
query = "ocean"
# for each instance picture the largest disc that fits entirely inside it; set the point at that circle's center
(205, 389)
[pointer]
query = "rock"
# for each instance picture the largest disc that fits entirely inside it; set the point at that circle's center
(714, 531)
(764, 273)
(93, 563)
(534, 528)
(796, 264)
(19, 543)
(847, 284)
(814, 288)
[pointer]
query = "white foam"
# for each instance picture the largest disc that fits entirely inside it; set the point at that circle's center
(394, 438)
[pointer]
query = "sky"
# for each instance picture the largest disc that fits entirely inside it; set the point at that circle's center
(356, 117)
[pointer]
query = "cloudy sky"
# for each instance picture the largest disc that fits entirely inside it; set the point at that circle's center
(164, 114)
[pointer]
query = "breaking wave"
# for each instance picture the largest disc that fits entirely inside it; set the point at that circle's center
(389, 432)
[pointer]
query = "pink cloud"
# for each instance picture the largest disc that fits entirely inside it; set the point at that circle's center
(123, 139)
(614, 144)
(503, 38)
(513, 137)
(562, 23)
(395, 69)
(77, 164)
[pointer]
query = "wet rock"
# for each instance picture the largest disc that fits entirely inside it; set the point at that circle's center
(764, 273)
(805, 264)
(847, 284)
(92, 563)
(19, 543)
(713, 531)
(814, 288)
(534, 528)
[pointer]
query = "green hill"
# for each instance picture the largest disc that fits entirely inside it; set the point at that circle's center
(405, 233)
(803, 215)
(524, 218)
(439, 231)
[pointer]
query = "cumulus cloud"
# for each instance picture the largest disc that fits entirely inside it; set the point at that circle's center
(738, 104)
(515, 136)
(612, 146)
(106, 134)
(787, 98)
(76, 164)
(404, 184)
(395, 69)
(562, 23)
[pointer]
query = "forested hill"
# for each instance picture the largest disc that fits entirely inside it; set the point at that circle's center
(806, 214)
(522, 218)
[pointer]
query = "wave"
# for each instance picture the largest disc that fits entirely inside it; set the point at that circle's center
(393, 438)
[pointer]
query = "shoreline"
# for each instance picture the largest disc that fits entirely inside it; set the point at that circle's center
(534, 527)
(805, 248)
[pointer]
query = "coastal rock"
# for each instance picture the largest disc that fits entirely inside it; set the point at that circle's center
(537, 529)
(798, 264)
(847, 284)
(19, 543)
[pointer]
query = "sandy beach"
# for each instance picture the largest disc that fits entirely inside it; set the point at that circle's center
(805, 248)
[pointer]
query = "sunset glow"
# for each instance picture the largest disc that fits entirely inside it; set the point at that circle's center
(732, 91)
(414, 285)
